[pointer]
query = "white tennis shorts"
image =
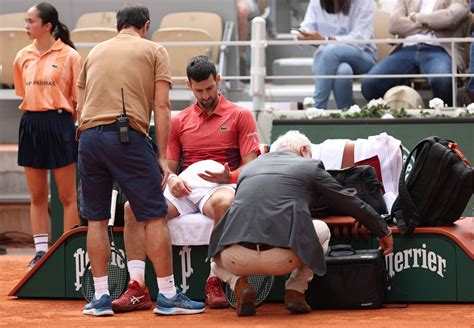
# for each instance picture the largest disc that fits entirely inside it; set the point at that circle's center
(202, 190)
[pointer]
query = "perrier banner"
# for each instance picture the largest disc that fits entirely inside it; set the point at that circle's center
(429, 266)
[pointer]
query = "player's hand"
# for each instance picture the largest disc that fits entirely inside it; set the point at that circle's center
(165, 171)
(178, 187)
(386, 243)
(221, 177)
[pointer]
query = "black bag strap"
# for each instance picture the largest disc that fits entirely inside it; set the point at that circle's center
(406, 204)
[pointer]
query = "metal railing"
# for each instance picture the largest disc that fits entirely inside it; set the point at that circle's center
(259, 44)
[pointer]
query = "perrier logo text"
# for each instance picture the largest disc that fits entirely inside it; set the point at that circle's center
(415, 258)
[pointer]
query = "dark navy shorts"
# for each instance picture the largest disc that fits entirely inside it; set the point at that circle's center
(134, 165)
(47, 140)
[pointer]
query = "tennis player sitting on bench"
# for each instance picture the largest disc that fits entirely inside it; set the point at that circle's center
(212, 137)
(269, 229)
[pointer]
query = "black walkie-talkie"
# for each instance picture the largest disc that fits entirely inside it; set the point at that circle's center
(122, 124)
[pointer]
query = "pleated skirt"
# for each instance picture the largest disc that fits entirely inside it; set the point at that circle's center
(47, 140)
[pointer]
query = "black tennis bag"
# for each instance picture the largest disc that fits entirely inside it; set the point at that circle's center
(362, 182)
(437, 188)
(355, 279)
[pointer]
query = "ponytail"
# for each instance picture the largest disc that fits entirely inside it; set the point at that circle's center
(62, 32)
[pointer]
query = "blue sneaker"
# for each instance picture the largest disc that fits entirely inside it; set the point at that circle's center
(101, 307)
(35, 259)
(178, 304)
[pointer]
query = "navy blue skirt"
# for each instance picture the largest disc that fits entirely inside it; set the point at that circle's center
(47, 140)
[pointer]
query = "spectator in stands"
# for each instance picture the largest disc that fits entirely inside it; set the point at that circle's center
(339, 20)
(269, 230)
(246, 11)
(116, 99)
(414, 21)
(44, 74)
(212, 138)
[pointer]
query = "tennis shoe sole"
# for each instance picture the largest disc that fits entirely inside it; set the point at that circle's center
(98, 312)
(174, 311)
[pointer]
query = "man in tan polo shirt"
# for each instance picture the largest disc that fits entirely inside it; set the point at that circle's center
(122, 81)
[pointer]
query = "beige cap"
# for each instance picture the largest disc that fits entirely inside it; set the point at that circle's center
(403, 96)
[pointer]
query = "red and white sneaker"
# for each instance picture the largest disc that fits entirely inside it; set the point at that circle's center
(215, 297)
(135, 298)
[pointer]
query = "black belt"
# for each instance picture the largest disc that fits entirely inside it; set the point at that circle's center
(253, 246)
(112, 127)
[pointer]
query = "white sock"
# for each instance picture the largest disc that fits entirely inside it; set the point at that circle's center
(136, 268)
(166, 286)
(41, 242)
(211, 273)
(101, 286)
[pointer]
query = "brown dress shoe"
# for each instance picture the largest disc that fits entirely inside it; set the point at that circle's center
(295, 302)
(245, 296)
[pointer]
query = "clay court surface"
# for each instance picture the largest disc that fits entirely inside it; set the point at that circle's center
(33, 312)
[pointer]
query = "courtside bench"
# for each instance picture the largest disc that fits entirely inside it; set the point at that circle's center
(432, 265)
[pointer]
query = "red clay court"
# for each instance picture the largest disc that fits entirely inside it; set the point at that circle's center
(36, 312)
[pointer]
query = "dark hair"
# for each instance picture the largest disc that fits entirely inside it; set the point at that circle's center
(200, 68)
(49, 14)
(336, 6)
(132, 15)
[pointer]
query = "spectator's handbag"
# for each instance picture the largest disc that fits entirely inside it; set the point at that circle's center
(355, 279)
(361, 181)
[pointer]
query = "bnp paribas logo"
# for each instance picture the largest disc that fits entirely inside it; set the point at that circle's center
(415, 258)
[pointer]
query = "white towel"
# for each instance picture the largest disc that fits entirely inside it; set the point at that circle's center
(190, 230)
(330, 152)
(387, 148)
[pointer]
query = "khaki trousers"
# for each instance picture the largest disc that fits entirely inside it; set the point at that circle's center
(237, 261)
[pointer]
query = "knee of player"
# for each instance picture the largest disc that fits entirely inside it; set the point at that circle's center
(224, 200)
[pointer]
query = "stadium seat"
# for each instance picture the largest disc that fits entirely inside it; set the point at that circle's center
(91, 34)
(97, 19)
(12, 20)
(12, 40)
(212, 24)
(180, 55)
(209, 22)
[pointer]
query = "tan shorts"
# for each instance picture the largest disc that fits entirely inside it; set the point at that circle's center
(243, 261)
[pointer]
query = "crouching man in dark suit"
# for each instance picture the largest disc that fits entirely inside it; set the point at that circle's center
(269, 229)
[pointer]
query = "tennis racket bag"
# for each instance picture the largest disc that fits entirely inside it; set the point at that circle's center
(355, 279)
(437, 189)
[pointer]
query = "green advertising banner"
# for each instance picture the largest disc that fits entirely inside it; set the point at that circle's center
(423, 268)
